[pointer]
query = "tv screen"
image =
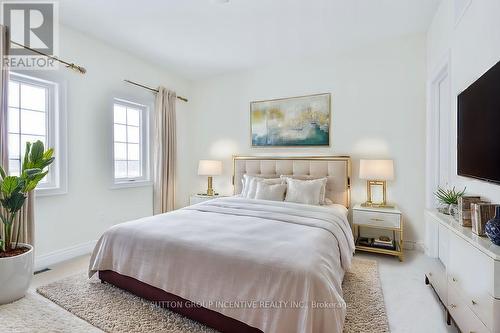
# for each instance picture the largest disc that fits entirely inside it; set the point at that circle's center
(479, 128)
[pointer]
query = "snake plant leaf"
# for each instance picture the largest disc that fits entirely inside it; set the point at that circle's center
(2, 172)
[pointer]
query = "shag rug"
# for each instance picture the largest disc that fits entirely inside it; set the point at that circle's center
(114, 310)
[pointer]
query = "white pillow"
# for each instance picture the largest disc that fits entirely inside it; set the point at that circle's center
(250, 185)
(305, 177)
(304, 191)
(274, 192)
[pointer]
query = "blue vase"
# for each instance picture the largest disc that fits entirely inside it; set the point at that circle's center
(492, 228)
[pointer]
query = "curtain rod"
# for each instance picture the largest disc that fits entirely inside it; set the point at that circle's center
(151, 89)
(76, 68)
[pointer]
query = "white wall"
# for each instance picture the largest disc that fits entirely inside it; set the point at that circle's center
(90, 206)
(471, 39)
(378, 105)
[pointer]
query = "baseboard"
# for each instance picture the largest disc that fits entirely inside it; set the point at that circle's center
(46, 260)
(414, 245)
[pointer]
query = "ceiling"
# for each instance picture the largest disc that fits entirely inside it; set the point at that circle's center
(203, 38)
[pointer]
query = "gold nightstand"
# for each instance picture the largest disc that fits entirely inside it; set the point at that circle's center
(370, 222)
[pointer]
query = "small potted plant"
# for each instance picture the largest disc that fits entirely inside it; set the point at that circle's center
(16, 259)
(448, 198)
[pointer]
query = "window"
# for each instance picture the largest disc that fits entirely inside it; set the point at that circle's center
(33, 115)
(130, 144)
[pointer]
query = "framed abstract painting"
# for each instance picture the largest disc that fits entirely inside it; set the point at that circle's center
(291, 122)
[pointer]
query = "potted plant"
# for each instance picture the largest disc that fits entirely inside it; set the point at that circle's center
(16, 259)
(448, 198)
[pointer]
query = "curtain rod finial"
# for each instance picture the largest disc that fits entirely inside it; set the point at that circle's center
(76, 68)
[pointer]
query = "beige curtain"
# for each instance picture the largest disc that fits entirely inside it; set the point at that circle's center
(4, 84)
(24, 221)
(164, 151)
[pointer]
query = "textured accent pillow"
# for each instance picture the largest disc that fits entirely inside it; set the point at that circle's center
(304, 191)
(251, 185)
(245, 182)
(274, 192)
(306, 177)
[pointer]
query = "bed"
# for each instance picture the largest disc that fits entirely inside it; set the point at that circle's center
(242, 265)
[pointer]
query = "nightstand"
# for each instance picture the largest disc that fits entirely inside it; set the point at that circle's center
(197, 198)
(371, 222)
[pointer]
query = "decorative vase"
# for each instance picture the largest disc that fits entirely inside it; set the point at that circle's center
(492, 228)
(444, 209)
(453, 211)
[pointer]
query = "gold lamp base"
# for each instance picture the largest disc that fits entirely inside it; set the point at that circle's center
(210, 190)
(369, 202)
(376, 205)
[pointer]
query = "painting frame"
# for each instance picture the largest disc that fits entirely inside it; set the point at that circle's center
(328, 137)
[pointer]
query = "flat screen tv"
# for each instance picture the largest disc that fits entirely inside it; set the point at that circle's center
(479, 128)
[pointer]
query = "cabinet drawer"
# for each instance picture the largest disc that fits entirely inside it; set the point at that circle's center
(436, 274)
(377, 219)
(470, 273)
(466, 320)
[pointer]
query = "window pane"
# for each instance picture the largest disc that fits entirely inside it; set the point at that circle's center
(13, 94)
(32, 97)
(133, 117)
(120, 133)
(134, 169)
(14, 146)
(120, 169)
(13, 120)
(32, 122)
(133, 134)
(14, 167)
(133, 152)
(32, 139)
(120, 151)
(120, 114)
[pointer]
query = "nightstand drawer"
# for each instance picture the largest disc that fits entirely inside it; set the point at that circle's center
(377, 219)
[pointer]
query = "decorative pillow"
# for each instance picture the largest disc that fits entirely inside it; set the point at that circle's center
(250, 186)
(245, 181)
(274, 192)
(304, 191)
(305, 177)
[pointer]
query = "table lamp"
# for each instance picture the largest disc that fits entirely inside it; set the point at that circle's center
(376, 173)
(209, 168)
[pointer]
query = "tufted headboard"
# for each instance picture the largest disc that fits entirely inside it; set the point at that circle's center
(336, 168)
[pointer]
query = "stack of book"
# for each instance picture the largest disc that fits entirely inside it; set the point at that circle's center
(384, 244)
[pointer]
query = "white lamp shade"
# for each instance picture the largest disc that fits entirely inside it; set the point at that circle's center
(209, 168)
(376, 169)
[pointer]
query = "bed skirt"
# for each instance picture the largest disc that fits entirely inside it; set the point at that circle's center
(177, 304)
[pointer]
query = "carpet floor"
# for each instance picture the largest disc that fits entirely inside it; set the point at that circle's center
(113, 310)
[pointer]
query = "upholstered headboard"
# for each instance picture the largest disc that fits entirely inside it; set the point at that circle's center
(336, 168)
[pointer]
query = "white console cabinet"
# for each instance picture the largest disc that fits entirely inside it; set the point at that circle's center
(465, 273)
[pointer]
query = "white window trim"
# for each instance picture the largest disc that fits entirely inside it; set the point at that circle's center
(145, 147)
(56, 134)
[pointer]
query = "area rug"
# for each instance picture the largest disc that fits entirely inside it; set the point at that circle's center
(34, 313)
(114, 310)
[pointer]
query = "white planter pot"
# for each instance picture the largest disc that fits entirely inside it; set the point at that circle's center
(15, 275)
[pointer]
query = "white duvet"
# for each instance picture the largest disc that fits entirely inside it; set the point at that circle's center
(276, 266)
